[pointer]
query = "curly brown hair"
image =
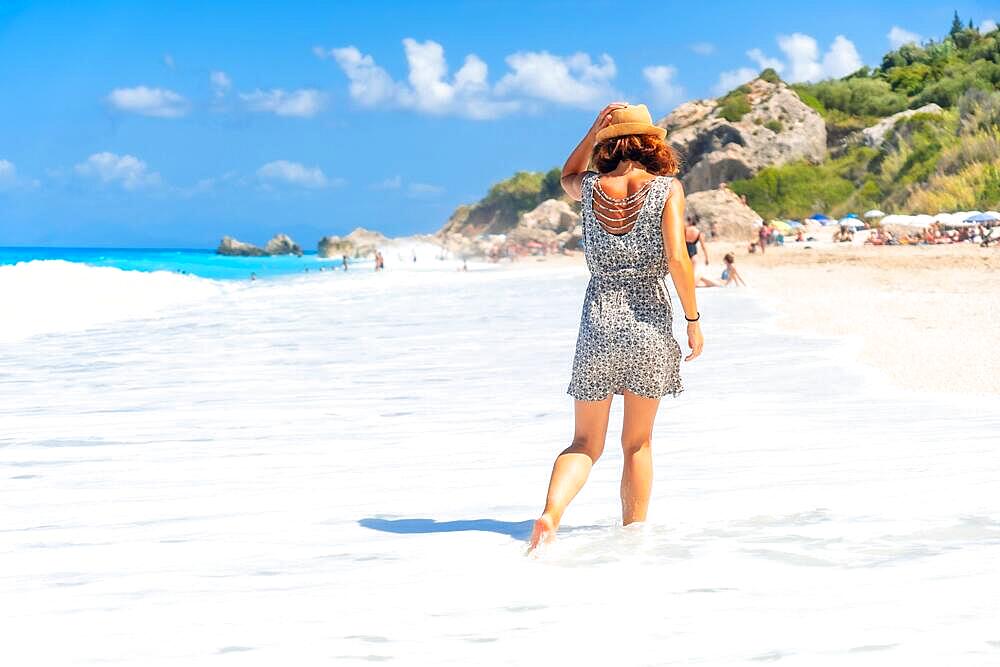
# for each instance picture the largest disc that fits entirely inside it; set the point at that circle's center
(655, 154)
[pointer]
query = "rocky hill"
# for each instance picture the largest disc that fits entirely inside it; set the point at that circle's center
(500, 210)
(759, 124)
(918, 134)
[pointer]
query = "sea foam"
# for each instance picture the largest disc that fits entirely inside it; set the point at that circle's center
(56, 296)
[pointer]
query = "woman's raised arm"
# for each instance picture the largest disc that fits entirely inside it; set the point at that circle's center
(579, 159)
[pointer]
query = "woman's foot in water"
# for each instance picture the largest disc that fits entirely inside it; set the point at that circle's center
(543, 532)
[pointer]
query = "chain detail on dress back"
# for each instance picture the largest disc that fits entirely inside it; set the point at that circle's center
(629, 207)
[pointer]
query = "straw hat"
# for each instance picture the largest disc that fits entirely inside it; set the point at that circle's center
(633, 119)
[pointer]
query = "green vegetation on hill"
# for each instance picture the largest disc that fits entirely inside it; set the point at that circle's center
(500, 209)
(735, 104)
(929, 163)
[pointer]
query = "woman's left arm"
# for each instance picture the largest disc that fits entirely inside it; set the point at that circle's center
(679, 264)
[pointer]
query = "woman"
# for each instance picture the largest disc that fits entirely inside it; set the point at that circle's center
(632, 212)
(692, 239)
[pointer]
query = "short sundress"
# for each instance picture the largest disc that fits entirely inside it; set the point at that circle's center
(626, 339)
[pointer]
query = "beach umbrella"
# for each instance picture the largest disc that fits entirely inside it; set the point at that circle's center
(851, 215)
(874, 213)
(820, 218)
(794, 224)
(988, 216)
(848, 221)
(781, 226)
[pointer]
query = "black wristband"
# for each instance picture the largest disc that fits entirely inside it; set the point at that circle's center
(698, 317)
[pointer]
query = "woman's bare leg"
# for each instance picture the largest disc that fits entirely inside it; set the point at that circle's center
(572, 466)
(637, 439)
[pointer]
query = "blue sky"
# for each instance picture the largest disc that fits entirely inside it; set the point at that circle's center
(171, 124)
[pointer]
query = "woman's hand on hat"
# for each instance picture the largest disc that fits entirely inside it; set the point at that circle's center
(604, 118)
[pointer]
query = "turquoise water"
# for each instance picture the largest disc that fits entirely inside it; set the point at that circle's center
(204, 263)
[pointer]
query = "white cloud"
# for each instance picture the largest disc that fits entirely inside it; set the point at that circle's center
(429, 90)
(987, 26)
(221, 83)
(703, 48)
(763, 61)
(732, 78)
(11, 180)
(898, 36)
(304, 103)
(295, 173)
(661, 81)
(803, 57)
(573, 80)
(392, 183)
(424, 190)
(802, 61)
(158, 102)
(8, 174)
(841, 58)
(370, 84)
(129, 171)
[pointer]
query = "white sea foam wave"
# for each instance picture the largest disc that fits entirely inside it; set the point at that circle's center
(56, 296)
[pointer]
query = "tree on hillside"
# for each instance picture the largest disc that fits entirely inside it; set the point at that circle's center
(956, 25)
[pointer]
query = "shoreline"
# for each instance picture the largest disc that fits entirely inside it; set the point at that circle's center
(923, 317)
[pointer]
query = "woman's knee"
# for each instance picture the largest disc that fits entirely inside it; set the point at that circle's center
(634, 444)
(590, 446)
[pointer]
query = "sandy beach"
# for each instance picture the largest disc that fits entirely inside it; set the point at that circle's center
(924, 316)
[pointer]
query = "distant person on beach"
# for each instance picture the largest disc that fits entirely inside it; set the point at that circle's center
(344, 261)
(693, 239)
(379, 261)
(634, 235)
(730, 275)
(763, 234)
(253, 276)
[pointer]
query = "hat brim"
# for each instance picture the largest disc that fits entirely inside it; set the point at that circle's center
(621, 129)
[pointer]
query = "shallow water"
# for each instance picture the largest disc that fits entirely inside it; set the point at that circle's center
(315, 470)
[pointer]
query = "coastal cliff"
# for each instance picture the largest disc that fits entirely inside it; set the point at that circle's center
(759, 124)
(917, 134)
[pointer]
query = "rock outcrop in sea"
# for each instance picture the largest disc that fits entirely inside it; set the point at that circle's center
(282, 244)
(231, 246)
(359, 243)
(770, 126)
